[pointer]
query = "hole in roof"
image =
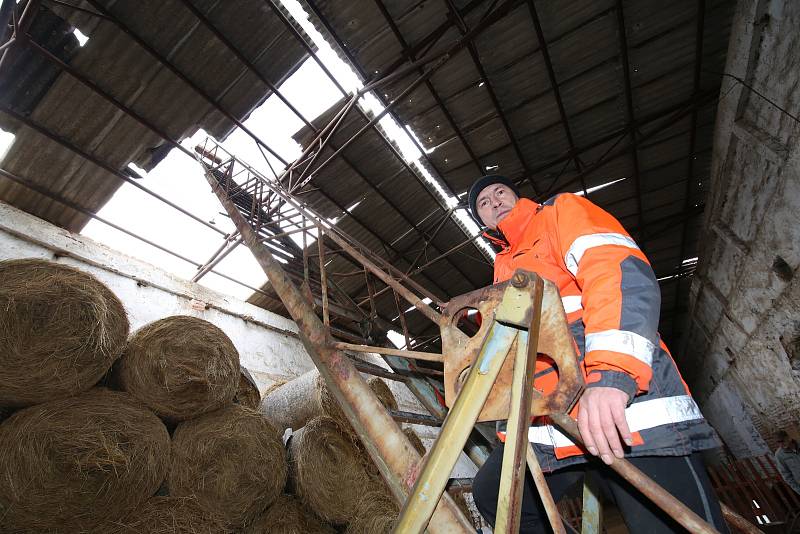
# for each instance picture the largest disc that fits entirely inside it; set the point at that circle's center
(397, 339)
(601, 186)
(138, 171)
(309, 90)
(82, 39)
(6, 140)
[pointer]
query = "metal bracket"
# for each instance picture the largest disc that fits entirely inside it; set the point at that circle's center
(510, 303)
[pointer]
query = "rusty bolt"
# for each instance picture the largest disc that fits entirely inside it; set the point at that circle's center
(519, 280)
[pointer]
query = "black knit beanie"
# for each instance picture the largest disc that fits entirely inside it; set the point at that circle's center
(480, 185)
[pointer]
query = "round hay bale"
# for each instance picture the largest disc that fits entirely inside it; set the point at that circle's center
(60, 331)
(275, 385)
(328, 403)
(71, 464)
(180, 367)
(5, 413)
(293, 403)
(382, 391)
(376, 513)
(330, 406)
(327, 469)
(232, 460)
(247, 393)
(288, 515)
(168, 515)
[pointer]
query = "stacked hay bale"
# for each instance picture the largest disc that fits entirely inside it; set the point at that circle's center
(330, 472)
(224, 455)
(180, 367)
(71, 464)
(60, 331)
(82, 458)
(86, 446)
(232, 461)
(247, 393)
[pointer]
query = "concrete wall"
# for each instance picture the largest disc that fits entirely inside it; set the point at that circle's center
(740, 354)
(267, 343)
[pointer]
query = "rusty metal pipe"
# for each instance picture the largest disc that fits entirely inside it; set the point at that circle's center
(658, 495)
(413, 354)
(413, 299)
(396, 459)
(217, 257)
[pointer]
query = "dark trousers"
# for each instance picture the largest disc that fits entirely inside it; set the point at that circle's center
(684, 477)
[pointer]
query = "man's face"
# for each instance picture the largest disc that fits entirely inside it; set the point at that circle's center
(494, 202)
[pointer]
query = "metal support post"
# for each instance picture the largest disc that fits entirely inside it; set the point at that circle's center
(323, 280)
(443, 456)
(592, 512)
(393, 454)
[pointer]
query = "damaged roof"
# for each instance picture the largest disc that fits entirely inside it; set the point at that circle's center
(164, 60)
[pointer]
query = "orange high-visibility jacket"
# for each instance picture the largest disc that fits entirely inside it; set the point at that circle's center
(612, 301)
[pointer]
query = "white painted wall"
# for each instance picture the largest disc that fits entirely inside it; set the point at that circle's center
(267, 343)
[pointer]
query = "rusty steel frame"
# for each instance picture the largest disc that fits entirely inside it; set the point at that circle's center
(389, 448)
(317, 339)
(412, 376)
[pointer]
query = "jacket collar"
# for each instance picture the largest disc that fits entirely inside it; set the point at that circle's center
(512, 228)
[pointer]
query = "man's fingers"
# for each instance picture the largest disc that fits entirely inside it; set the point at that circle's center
(583, 427)
(618, 411)
(610, 430)
(598, 434)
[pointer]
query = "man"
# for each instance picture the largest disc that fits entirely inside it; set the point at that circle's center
(636, 404)
(787, 458)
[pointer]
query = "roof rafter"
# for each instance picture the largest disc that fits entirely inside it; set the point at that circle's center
(551, 74)
(631, 118)
(473, 52)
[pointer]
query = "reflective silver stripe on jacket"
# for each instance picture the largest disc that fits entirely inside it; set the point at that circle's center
(585, 242)
(640, 416)
(572, 303)
(622, 341)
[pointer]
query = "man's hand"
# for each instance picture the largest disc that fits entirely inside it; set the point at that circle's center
(601, 420)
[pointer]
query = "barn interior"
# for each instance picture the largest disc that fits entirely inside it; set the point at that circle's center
(295, 173)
